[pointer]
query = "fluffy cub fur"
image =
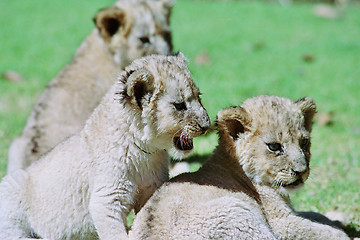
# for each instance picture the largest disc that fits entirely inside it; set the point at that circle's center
(124, 32)
(241, 191)
(85, 187)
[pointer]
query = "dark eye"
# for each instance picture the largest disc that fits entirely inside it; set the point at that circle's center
(144, 39)
(274, 147)
(167, 38)
(180, 106)
(304, 142)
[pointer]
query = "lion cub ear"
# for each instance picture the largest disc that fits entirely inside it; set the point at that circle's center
(233, 121)
(308, 109)
(140, 87)
(166, 6)
(109, 20)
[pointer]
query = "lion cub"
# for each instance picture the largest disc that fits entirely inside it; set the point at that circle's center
(241, 191)
(85, 187)
(126, 31)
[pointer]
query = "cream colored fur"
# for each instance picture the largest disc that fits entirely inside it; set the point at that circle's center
(128, 30)
(85, 187)
(241, 191)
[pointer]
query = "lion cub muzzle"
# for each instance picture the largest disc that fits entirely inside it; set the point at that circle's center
(184, 141)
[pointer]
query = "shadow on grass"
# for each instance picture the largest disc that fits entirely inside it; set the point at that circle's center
(196, 158)
(352, 230)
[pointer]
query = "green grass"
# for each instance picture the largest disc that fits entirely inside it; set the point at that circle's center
(255, 48)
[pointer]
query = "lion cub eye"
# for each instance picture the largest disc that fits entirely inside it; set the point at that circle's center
(305, 142)
(274, 147)
(180, 106)
(144, 39)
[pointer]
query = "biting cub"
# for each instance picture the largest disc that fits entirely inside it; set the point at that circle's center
(85, 187)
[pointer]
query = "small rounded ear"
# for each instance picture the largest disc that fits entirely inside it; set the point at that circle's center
(308, 109)
(109, 20)
(140, 86)
(167, 6)
(180, 56)
(233, 121)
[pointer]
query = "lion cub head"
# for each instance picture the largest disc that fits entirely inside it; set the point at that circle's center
(161, 92)
(133, 29)
(271, 138)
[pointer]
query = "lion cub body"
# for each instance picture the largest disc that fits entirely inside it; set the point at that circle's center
(241, 190)
(85, 187)
(125, 31)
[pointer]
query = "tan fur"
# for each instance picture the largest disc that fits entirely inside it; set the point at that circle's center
(241, 191)
(85, 187)
(128, 30)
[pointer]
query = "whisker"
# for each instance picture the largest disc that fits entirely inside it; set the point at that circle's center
(281, 183)
(181, 143)
(188, 135)
(180, 130)
(183, 139)
(278, 182)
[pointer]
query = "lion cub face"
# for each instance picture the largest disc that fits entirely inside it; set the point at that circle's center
(133, 29)
(162, 91)
(271, 136)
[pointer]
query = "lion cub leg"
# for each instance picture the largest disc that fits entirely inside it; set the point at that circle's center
(286, 224)
(12, 207)
(101, 212)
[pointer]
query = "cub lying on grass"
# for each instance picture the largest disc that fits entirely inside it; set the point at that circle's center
(241, 191)
(125, 31)
(85, 187)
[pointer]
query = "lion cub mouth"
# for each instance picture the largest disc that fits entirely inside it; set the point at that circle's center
(296, 183)
(183, 143)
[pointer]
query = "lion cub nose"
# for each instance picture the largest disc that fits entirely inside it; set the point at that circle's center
(300, 170)
(204, 123)
(203, 128)
(299, 173)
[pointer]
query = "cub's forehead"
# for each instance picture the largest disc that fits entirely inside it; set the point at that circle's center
(271, 107)
(179, 85)
(141, 13)
(275, 116)
(170, 73)
(174, 76)
(132, 5)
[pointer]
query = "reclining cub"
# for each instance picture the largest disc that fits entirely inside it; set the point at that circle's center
(126, 31)
(85, 187)
(241, 191)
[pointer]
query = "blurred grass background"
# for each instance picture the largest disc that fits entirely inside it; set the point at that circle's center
(237, 49)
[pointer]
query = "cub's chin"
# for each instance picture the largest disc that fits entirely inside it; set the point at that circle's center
(178, 154)
(294, 186)
(181, 147)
